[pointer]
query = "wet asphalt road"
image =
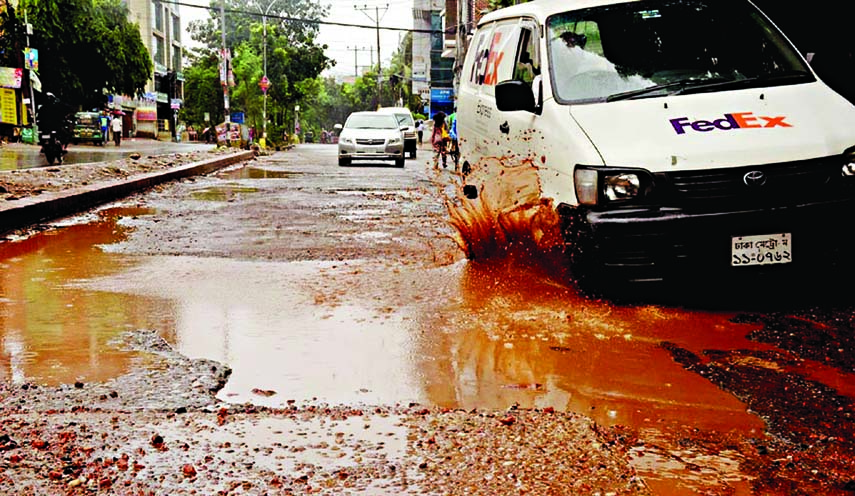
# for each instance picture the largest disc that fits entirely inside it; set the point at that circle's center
(316, 281)
(24, 156)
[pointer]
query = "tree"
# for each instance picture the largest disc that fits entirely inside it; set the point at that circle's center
(86, 47)
(202, 91)
(293, 57)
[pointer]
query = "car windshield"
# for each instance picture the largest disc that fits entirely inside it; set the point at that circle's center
(657, 47)
(87, 119)
(371, 121)
(405, 120)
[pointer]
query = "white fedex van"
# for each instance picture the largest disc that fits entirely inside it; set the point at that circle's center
(672, 136)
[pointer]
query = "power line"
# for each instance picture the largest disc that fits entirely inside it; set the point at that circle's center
(304, 20)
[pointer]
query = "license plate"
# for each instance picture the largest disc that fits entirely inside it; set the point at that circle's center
(764, 249)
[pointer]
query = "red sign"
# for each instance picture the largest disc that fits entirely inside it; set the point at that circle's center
(264, 84)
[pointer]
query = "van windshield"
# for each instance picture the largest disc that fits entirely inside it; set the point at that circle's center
(659, 47)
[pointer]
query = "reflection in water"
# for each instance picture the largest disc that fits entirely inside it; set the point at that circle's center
(50, 333)
(257, 173)
(260, 319)
(222, 193)
(522, 335)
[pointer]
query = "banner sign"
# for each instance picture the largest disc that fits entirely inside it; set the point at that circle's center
(11, 77)
(31, 58)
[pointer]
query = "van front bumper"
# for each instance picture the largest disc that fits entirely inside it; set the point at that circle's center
(660, 244)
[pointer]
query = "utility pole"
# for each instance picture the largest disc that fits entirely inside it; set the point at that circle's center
(28, 29)
(376, 20)
(355, 62)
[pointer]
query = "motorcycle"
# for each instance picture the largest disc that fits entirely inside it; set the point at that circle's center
(52, 146)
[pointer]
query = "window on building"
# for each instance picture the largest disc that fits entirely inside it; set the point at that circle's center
(176, 58)
(176, 29)
(159, 49)
(158, 16)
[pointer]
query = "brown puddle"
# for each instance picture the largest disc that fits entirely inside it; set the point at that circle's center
(51, 334)
(533, 340)
(257, 173)
(222, 193)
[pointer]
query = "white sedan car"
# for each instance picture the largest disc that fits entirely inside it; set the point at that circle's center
(371, 136)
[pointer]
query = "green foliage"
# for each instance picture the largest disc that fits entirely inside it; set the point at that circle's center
(85, 47)
(294, 60)
(202, 92)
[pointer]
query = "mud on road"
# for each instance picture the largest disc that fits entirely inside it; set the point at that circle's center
(163, 428)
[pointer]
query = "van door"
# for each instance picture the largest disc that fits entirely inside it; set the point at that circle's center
(519, 126)
(492, 61)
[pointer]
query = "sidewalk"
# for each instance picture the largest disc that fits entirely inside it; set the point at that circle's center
(30, 196)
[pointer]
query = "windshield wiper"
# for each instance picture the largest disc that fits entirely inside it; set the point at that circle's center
(694, 85)
(752, 82)
(681, 84)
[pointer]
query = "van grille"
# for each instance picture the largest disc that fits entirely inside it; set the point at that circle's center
(789, 182)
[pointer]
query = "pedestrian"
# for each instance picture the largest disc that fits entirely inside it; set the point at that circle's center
(116, 127)
(453, 144)
(105, 126)
(439, 139)
(420, 129)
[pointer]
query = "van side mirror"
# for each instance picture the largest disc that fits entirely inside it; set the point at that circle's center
(514, 95)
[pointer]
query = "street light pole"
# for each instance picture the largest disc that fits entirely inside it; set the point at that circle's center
(264, 112)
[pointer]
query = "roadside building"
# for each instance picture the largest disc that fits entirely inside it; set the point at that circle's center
(154, 114)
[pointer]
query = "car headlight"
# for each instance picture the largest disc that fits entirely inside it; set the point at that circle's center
(622, 186)
(394, 141)
(848, 163)
(346, 140)
(600, 185)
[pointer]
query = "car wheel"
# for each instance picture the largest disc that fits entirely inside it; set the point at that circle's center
(399, 162)
(343, 161)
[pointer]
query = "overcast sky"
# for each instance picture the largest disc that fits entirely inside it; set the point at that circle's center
(342, 40)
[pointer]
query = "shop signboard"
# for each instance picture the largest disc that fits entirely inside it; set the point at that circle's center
(8, 107)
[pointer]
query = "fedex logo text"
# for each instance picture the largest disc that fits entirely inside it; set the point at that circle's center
(736, 120)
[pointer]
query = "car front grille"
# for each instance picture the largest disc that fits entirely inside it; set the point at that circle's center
(370, 141)
(781, 183)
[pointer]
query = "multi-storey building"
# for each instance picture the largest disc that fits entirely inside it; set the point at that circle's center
(154, 114)
(438, 54)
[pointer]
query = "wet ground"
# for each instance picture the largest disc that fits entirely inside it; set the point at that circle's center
(316, 284)
(24, 156)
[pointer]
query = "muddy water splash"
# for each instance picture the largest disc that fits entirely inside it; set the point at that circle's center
(508, 217)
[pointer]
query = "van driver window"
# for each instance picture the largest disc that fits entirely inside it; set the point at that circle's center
(527, 65)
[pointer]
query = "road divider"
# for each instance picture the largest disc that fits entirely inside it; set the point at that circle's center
(31, 210)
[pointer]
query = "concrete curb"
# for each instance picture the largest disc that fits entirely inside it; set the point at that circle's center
(32, 210)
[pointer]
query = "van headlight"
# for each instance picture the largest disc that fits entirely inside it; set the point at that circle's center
(602, 185)
(848, 163)
(622, 186)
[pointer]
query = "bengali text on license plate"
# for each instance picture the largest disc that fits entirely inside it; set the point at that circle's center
(762, 249)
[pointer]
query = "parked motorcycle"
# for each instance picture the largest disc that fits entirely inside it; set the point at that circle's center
(52, 146)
